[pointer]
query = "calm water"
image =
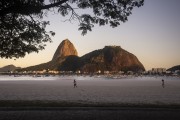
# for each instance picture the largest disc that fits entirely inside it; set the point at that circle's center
(66, 77)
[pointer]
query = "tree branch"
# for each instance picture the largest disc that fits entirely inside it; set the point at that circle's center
(27, 9)
(53, 5)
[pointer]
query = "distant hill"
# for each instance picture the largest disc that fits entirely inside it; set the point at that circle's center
(174, 68)
(8, 68)
(51, 65)
(65, 49)
(110, 58)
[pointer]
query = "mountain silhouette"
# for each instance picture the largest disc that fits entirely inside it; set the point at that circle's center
(110, 58)
(66, 48)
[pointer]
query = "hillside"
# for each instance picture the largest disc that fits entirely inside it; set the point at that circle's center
(110, 58)
(8, 68)
(174, 68)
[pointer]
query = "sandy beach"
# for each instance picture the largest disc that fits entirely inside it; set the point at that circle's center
(98, 97)
(131, 90)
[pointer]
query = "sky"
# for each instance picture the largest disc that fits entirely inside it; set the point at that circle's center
(152, 34)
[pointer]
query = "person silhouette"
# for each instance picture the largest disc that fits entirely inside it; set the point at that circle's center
(163, 83)
(75, 83)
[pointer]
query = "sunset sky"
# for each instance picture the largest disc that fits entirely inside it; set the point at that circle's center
(152, 33)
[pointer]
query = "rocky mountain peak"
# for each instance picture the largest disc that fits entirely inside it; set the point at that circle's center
(66, 48)
(109, 58)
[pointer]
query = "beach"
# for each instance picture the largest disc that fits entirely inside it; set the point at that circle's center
(96, 97)
(92, 90)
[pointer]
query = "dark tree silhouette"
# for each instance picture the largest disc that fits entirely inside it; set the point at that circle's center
(22, 28)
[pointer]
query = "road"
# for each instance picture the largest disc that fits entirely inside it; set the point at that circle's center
(89, 113)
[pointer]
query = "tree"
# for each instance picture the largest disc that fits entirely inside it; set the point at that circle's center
(22, 28)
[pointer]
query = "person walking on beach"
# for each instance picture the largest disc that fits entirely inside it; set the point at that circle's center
(75, 83)
(163, 83)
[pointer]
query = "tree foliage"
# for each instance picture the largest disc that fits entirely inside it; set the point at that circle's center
(22, 28)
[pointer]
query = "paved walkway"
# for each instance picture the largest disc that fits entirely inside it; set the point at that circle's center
(86, 113)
